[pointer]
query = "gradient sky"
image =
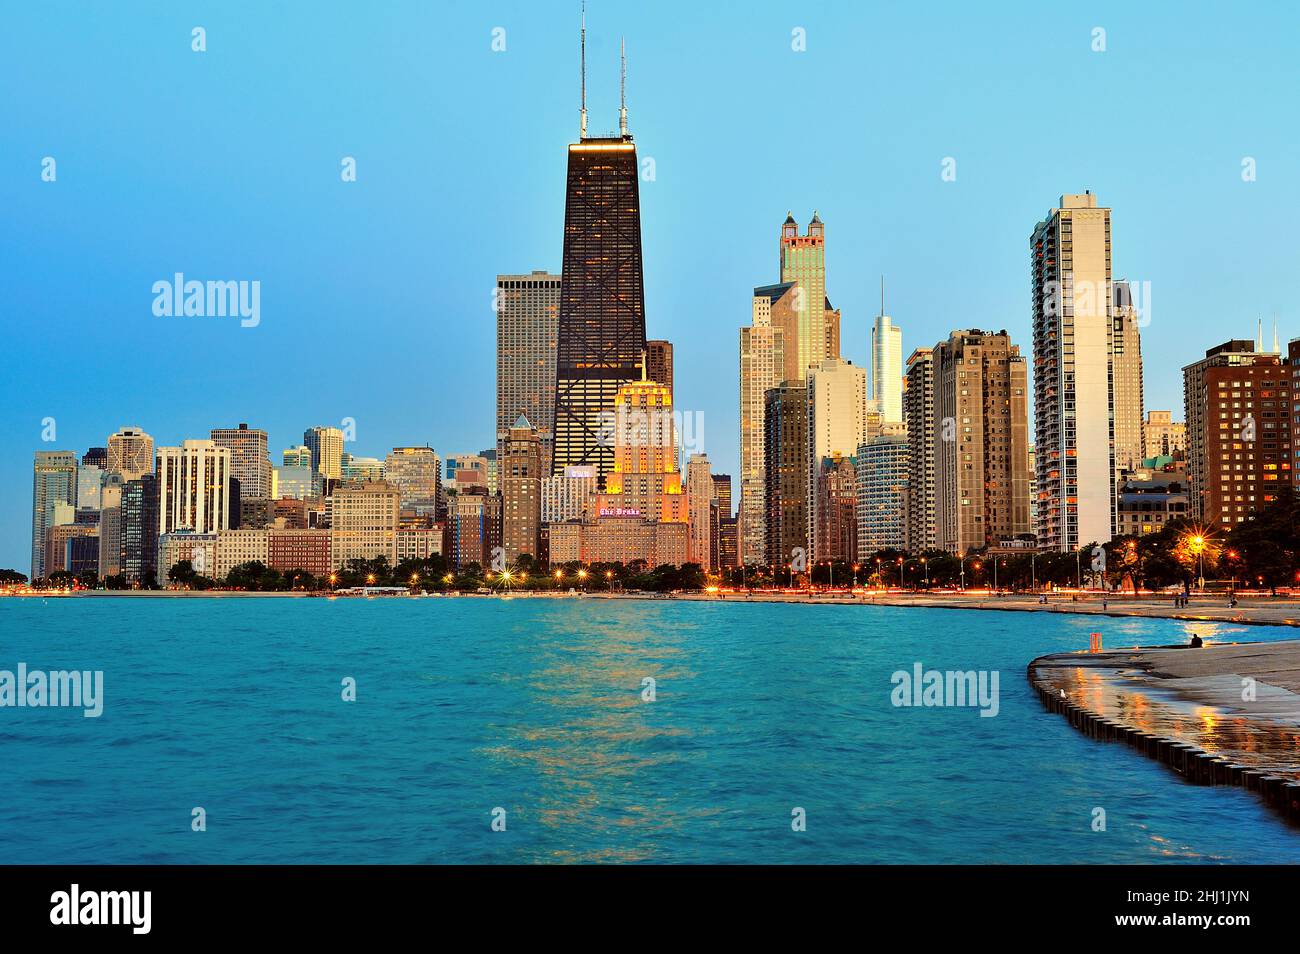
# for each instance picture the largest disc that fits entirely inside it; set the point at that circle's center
(377, 295)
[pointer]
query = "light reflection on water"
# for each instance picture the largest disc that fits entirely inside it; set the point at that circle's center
(534, 706)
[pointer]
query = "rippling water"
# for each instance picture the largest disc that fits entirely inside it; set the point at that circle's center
(534, 706)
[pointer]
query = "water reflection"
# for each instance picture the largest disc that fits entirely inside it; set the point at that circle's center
(1130, 688)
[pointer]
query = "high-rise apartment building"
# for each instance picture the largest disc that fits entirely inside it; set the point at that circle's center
(887, 365)
(567, 496)
(363, 519)
(701, 508)
(1070, 262)
(54, 481)
(763, 365)
(326, 446)
(250, 463)
(835, 534)
(110, 525)
(786, 465)
(1126, 383)
(528, 317)
(883, 472)
(837, 424)
(416, 472)
(130, 453)
(474, 527)
(1162, 436)
(521, 489)
(919, 534)
(1237, 400)
(981, 475)
(194, 487)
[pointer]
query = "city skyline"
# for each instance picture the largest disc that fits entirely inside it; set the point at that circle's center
(175, 400)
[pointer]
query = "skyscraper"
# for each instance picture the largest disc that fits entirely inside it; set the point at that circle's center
(701, 507)
(981, 467)
(918, 412)
(139, 530)
(601, 339)
(54, 481)
(803, 265)
(1126, 382)
(528, 314)
(416, 472)
(763, 365)
(194, 488)
(659, 362)
(786, 460)
(837, 424)
(1070, 263)
(1237, 400)
(250, 463)
(882, 482)
(326, 446)
(363, 519)
(521, 489)
(110, 525)
(887, 364)
(130, 453)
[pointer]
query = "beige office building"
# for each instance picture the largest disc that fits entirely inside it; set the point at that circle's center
(130, 453)
(363, 520)
(528, 315)
(762, 366)
(236, 547)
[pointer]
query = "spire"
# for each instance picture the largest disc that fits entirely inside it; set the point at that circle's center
(622, 89)
(1259, 336)
(1277, 348)
(583, 70)
(644, 362)
(882, 295)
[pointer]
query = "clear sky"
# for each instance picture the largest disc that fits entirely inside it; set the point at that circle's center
(376, 299)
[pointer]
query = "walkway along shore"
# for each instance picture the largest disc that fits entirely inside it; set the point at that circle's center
(1217, 715)
(1258, 611)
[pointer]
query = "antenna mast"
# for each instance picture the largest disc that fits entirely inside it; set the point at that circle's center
(583, 70)
(622, 90)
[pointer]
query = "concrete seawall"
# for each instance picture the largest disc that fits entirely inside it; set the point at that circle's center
(1185, 708)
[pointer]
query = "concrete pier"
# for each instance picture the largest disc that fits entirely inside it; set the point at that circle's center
(1218, 715)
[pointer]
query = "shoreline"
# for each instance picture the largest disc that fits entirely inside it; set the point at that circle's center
(1223, 714)
(1263, 611)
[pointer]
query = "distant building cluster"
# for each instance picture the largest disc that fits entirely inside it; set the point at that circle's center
(838, 462)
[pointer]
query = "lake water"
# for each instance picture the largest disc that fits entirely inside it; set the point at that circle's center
(535, 706)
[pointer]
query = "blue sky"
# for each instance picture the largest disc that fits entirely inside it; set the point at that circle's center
(376, 295)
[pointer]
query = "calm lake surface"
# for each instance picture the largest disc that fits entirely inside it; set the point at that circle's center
(535, 706)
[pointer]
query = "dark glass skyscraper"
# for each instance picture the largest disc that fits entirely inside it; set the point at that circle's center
(601, 337)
